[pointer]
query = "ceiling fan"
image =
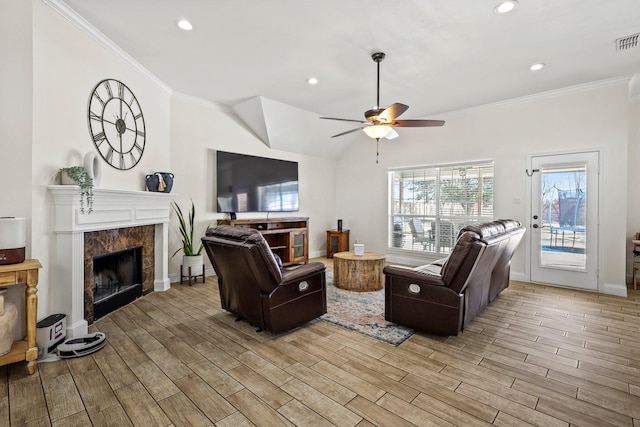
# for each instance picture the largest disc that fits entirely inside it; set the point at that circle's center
(380, 122)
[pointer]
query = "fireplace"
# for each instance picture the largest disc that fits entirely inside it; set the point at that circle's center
(120, 220)
(117, 280)
(118, 268)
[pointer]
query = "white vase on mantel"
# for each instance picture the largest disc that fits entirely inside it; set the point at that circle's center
(8, 322)
(92, 165)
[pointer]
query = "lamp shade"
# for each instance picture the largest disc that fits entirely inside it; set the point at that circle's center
(377, 131)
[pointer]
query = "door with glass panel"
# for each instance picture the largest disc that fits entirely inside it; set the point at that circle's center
(564, 219)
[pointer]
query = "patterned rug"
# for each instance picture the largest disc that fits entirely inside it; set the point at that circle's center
(362, 312)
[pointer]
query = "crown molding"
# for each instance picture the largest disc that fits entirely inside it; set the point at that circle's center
(83, 25)
(548, 94)
(202, 102)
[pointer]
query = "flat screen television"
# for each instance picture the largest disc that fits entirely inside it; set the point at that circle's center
(248, 183)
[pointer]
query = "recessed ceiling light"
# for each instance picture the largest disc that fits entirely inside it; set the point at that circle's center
(537, 67)
(505, 7)
(312, 81)
(184, 24)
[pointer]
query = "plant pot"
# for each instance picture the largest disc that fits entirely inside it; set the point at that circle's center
(195, 262)
(65, 179)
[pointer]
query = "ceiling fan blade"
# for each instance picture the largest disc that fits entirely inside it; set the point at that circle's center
(391, 112)
(343, 120)
(344, 133)
(417, 123)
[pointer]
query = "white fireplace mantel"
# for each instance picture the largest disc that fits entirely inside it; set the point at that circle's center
(111, 209)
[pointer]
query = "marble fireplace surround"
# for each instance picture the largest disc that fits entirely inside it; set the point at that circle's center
(112, 209)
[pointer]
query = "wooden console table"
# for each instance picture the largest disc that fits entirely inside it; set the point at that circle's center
(358, 273)
(16, 274)
(287, 237)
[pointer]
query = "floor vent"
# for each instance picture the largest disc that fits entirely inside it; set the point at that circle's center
(629, 42)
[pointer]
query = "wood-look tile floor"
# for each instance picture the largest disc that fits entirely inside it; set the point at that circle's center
(537, 356)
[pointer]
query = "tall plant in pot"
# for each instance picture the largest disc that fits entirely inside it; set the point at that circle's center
(192, 257)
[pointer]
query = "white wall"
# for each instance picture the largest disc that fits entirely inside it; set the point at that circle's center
(67, 64)
(198, 128)
(15, 122)
(593, 117)
(633, 178)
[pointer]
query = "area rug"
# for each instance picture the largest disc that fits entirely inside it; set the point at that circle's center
(362, 312)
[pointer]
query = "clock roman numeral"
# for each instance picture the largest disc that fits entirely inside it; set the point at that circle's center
(109, 156)
(122, 161)
(97, 96)
(120, 90)
(140, 132)
(137, 116)
(107, 86)
(137, 147)
(133, 159)
(94, 116)
(99, 137)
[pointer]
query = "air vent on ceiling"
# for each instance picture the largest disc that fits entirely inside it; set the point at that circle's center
(628, 42)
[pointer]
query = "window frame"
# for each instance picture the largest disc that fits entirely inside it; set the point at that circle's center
(439, 229)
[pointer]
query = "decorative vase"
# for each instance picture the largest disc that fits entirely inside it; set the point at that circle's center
(160, 182)
(8, 321)
(193, 261)
(93, 167)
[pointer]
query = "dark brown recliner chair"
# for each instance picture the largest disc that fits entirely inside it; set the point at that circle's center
(441, 298)
(500, 274)
(254, 286)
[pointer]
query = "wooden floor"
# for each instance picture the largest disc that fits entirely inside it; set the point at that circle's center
(537, 356)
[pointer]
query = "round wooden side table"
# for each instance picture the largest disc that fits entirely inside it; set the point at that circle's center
(358, 273)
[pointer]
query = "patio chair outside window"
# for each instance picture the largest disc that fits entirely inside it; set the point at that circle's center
(418, 234)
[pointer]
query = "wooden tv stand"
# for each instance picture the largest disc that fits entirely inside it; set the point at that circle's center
(287, 237)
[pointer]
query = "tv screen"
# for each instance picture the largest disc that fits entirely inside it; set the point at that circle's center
(255, 184)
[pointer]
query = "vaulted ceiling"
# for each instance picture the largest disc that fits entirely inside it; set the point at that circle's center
(442, 55)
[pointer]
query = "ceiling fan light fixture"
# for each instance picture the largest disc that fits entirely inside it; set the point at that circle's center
(505, 7)
(377, 131)
(184, 24)
(392, 134)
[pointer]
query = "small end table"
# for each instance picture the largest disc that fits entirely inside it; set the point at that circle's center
(337, 241)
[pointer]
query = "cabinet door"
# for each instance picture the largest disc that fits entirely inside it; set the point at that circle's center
(299, 246)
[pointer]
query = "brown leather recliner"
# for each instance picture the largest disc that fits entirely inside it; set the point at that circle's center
(443, 297)
(500, 274)
(254, 286)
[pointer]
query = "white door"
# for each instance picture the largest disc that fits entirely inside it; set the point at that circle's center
(564, 219)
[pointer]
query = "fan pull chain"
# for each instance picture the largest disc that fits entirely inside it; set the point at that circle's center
(377, 149)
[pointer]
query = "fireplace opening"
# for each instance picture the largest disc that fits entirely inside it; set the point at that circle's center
(117, 280)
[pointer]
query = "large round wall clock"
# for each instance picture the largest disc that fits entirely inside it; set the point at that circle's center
(116, 124)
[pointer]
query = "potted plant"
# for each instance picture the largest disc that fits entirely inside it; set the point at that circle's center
(78, 175)
(192, 257)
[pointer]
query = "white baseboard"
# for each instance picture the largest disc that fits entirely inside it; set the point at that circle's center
(612, 289)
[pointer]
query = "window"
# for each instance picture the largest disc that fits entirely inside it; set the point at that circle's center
(429, 205)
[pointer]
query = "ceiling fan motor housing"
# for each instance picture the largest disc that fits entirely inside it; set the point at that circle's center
(372, 115)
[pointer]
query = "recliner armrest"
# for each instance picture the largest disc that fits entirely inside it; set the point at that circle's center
(418, 275)
(291, 275)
